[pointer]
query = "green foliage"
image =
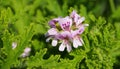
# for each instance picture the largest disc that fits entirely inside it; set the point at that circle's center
(26, 22)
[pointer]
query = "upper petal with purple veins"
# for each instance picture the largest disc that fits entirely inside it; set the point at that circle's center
(65, 23)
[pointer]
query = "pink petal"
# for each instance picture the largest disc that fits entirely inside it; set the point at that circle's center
(69, 48)
(66, 34)
(73, 33)
(72, 15)
(75, 44)
(80, 30)
(79, 21)
(52, 31)
(79, 43)
(62, 47)
(75, 16)
(54, 42)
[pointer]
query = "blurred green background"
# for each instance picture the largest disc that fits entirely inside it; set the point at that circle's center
(26, 22)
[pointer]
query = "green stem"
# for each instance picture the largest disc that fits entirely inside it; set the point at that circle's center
(112, 5)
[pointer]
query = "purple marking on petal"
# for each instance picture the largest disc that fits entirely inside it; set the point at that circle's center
(65, 23)
(80, 30)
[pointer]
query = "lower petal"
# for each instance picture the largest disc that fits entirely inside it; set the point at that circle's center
(62, 47)
(69, 48)
(79, 43)
(54, 42)
(75, 44)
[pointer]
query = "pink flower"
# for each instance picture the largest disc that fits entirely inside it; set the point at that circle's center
(66, 31)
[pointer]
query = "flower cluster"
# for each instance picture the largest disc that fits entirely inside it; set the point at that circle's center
(66, 31)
